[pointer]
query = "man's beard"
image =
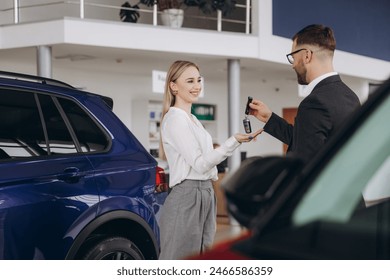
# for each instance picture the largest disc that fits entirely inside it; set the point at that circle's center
(301, 77)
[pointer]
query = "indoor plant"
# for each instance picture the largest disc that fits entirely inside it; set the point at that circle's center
(207, 6)
(129, 12)
(171, 13)
(174, 7)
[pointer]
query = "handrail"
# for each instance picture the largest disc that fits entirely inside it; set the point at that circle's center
(16, 11)
(82, 8)
(83, 5)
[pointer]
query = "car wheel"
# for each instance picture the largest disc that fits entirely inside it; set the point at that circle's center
(113, 248)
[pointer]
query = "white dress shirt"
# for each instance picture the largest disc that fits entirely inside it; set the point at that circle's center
(189, 148)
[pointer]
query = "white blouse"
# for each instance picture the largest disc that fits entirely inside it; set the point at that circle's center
(189, 148)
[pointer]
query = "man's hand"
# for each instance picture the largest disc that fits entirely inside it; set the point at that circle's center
(260, 110)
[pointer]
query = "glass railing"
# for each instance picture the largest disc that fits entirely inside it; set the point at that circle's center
(27, 11)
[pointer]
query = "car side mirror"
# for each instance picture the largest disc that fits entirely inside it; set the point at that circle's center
(256, 183)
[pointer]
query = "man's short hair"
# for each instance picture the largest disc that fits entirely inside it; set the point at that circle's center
(316, 34)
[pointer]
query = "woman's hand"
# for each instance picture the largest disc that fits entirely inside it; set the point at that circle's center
(247, 137)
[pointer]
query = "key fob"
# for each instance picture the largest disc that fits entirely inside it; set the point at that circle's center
(247, 105)
(247, 125)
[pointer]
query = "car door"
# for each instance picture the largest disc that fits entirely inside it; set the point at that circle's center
(45, 184)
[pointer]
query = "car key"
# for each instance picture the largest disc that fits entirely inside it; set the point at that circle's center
(246, 121)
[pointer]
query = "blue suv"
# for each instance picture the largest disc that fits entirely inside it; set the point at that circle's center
(74, 181)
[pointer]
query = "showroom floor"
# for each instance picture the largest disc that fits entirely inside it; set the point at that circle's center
(227, 231)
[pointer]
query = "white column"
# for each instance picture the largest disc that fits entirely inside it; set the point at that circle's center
(234, 116)
(44, 61)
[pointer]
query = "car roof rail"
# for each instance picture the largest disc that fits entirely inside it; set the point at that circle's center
(20, 76)
(27, 77)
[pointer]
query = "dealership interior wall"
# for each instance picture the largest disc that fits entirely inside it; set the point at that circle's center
(117, 59)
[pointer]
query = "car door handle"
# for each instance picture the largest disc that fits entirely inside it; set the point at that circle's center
(70, 175)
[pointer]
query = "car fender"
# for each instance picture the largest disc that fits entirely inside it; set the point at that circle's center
(109, 210)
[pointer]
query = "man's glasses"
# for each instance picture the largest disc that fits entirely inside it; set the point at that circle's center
(290, 56)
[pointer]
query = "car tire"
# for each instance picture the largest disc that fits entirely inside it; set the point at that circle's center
(113, 248)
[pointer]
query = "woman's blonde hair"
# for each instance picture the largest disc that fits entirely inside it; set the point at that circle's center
(175, 71)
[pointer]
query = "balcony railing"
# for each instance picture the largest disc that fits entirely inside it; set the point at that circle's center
(24, 11)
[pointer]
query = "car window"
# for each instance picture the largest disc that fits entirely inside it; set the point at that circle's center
(35, 124)
(334, 196)
(20, 125)
(90, 136)
(59, 138)
(378, 188)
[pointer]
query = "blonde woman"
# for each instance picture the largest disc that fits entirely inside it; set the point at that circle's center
(188, 217)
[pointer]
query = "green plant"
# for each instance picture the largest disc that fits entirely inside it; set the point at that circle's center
(226, 6)
(169, 4)
(208, 6)
(129, 13)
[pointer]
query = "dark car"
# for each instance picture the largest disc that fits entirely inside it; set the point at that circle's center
(335, 207)
(74, 181)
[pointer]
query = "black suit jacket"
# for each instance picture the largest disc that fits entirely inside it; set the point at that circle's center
(319, 115)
